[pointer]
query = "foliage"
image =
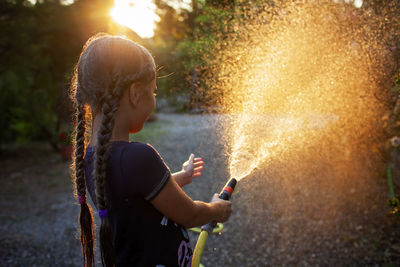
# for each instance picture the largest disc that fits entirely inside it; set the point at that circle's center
(172, 28)
(398, 80)
(394, 205)
(39, 43)
(65, 134)
(186, 57)
(393, 131)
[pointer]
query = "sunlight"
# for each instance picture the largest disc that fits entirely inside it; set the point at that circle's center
(358, 3)
(139, 16)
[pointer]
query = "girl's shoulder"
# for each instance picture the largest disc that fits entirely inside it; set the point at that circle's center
(137, 146)
(143, 160)
(139, 151)
(125, 145)
(127, 153)
(130, 148)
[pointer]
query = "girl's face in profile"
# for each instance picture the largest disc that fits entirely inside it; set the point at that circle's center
(148, 97)
(145, 105)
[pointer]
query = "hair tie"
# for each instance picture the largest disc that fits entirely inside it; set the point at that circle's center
(103, 213)
(82, 199)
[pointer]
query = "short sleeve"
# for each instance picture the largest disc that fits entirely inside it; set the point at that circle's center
(145, 169)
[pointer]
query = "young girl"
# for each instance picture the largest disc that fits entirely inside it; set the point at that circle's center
(142, 207)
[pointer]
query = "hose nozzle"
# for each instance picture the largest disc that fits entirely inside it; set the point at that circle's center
(227, 192)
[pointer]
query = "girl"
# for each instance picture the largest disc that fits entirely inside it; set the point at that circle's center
(142, 207)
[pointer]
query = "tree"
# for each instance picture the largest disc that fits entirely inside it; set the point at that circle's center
(39, 45)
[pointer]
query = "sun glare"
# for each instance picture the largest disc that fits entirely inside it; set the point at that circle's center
(139, 16)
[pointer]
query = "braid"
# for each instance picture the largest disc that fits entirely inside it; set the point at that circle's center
(79, 152)
(109, 108)
(85, 217)
(106, 67)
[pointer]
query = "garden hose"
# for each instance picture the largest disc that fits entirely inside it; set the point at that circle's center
(198, 250)
(208, 229)
(216, 230)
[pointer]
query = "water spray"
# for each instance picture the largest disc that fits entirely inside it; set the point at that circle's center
(207, 229)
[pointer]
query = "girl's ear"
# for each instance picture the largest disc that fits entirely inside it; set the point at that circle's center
(134, 94)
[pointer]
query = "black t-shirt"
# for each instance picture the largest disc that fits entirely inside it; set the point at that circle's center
(142, 235)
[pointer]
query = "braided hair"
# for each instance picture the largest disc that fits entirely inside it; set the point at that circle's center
(107, 66)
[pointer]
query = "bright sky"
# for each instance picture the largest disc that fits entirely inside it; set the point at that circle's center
(140, 15)
(356, 3)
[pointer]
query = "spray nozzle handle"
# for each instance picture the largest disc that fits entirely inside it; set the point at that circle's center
(225, 194)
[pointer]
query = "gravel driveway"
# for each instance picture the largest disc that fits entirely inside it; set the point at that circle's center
(300, 209)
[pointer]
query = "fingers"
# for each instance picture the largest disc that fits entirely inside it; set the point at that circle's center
(198, 169)
(191, 157)
(199, 162)
(215, 198)
(196, 164)
(196, 174)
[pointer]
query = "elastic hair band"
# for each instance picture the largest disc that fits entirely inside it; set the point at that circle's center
(103, 213)
(82, 199)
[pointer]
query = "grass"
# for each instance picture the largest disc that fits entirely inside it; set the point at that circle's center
(151, 132)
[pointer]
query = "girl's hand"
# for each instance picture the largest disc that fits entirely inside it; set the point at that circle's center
(190, 169)
(224, 208)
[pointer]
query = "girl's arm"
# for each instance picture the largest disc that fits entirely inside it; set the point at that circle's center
(173, 202)
(192, 168)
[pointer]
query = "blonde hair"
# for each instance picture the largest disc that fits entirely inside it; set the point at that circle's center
(107, 66)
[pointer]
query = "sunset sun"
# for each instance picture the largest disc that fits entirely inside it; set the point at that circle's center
(139, 16)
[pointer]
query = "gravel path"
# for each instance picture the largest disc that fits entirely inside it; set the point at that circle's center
(299, 209)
